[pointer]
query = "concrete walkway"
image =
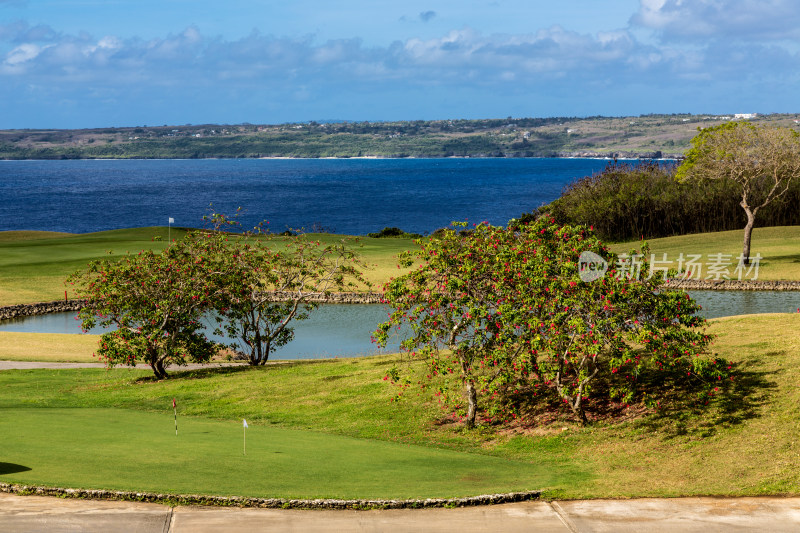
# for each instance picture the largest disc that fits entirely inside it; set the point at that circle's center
(705, 515)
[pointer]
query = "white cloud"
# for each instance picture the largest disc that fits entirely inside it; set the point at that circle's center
(718, 19)
(189, 69)
(22, 53)
(548, 55)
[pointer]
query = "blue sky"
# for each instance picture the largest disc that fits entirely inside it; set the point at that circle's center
(95, 63)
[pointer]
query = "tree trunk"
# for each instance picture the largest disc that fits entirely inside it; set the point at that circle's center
(472, 404)
(255, 349)
(748, 232)
(577, 409)
(158, 369)
(265, 354)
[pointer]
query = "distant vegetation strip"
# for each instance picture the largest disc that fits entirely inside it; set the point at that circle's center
(645, 136)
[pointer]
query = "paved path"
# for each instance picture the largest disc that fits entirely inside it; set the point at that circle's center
(702, 515)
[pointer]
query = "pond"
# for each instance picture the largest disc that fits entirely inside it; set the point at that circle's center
(342, 330)
(345, 330)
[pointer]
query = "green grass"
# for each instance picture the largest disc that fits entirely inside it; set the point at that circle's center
(779, 248)
(120, 449)
(746, 442)
(50, 347)
(34, 265)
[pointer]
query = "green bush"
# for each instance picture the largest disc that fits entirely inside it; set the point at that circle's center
(631, 201)
(393, 232)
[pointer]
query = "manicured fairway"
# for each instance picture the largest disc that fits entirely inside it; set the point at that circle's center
(34, 265)
(128, 450)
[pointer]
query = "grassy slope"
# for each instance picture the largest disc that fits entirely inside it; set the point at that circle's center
(747, 442)
(33, 265)
(779, 248)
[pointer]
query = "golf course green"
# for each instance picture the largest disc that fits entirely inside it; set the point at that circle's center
(330, 429)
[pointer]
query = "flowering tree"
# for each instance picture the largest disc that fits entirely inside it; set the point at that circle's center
(505, 312)
(154, 301)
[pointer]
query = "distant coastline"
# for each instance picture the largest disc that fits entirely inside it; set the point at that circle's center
(641, 137)
(577, 155)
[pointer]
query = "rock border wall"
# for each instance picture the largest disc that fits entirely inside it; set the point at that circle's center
(43, 308)
(59, 306)
(22, 310)
(334, 297)
(732, 285)
(269, 503)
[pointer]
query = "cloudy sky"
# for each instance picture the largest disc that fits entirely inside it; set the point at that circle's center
(94, 63)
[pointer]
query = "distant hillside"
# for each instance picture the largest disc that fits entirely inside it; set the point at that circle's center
(646, 136)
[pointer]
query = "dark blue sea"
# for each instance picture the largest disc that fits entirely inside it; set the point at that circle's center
(351, 196)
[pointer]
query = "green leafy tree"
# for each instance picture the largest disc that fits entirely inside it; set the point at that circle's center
(255, 285)
(503, 315)
(154, 302)
(761, 160)
(266, 282)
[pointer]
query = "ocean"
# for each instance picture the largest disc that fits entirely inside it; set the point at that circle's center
(349, 196)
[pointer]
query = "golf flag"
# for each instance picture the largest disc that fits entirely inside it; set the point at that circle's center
(175, 408)
(171, 220)
(173, 404)
(244, 442)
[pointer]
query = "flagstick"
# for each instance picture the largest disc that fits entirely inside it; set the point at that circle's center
(175, 407)
(244, 435)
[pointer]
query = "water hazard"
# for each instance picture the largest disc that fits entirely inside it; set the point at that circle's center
(330, 331)
(345, 330)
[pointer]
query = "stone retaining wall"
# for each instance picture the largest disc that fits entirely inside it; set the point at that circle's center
(335, 297)
(16, 311)
(269, 503)
(732, 285)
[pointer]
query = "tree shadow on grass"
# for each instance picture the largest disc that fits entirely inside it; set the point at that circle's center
(11, 468)
(737, 401)
(198, 373)
(201, 373)
(794, 258)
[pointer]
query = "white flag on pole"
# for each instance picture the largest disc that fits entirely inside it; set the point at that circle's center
(171, 220)
(244, 436)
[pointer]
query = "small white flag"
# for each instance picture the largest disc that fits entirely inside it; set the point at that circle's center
(245, 422)
(171, 220)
